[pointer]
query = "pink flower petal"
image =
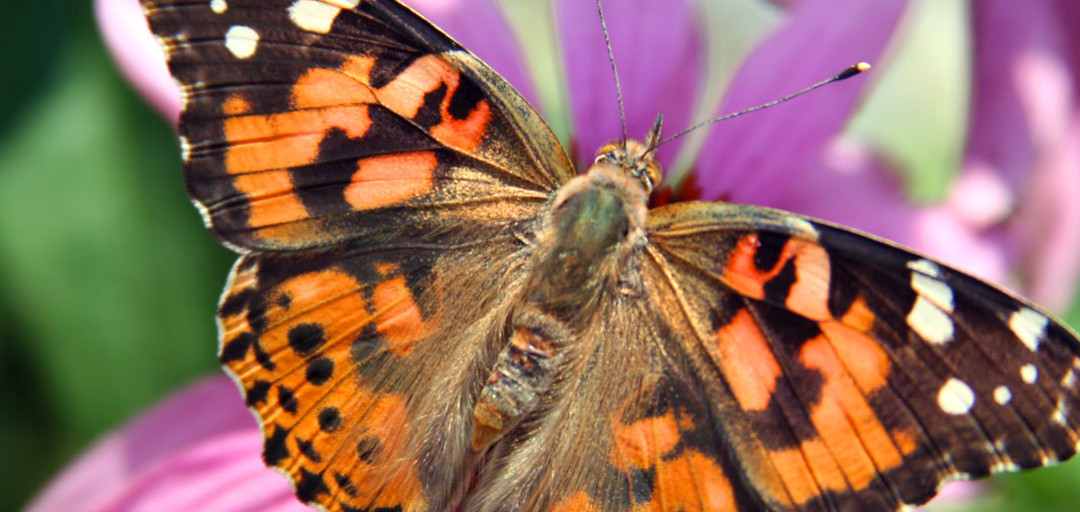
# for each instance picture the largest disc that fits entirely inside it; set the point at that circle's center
(1025, 132)
(658, 50)
(982, 198)
(848, 183)
(1006, 35)
(853, 188)
(752, 158)
(140, 59)
(222, 474)
(956, 493)
(1048, 225)
(198, 450)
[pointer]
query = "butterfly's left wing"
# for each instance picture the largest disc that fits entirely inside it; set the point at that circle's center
(310, 124)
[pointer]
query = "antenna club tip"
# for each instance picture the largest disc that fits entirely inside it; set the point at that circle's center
(852, 71)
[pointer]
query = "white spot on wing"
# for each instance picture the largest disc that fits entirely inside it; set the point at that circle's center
(1069, 380)
(936, 291)
(956, 397)
(1059, 412)
(926, 267)
(1006, 465)
(218, 6)
(207, 220)
(185, 149)
(1029, 325)
(930, 322)
(242, 41)
(318, 15)
(1002, 395)
(313, 15)
(1029, 373)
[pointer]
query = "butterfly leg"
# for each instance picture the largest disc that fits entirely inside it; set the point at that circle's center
(524, 370)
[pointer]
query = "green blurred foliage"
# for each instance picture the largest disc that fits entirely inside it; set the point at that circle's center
(108, 282)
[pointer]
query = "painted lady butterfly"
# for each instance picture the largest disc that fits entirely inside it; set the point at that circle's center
(435, 311)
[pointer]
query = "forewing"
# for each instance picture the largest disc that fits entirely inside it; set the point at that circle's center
(362, 365)
(307, 123)
(868, 374)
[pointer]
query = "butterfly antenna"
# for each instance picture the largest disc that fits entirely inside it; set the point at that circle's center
(843, 75)
(614, 71)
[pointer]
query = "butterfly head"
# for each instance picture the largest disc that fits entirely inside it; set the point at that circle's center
(635, 158)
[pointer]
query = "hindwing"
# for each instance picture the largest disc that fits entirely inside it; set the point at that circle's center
(362, 365)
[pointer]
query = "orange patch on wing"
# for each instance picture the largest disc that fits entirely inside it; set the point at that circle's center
(849, 431)
(329, 98)
(390, 179)
(235, 105)
(742, 274)
(690, 482)
(322, 87)
(465, 134)
(861, 356)
(390, 476)
(271, 199)
(748, 363)
(387, 474)
(405, 94)
(642, 443)
(398, 318)
(859, 316)
(332, 300)
(809, 294)
(290, 139)
(807, 470)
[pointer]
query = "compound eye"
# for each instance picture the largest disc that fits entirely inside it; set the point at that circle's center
(606, 157)
(607, 153)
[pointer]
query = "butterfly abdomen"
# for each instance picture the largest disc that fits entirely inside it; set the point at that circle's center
(593, 225)
(522, 374)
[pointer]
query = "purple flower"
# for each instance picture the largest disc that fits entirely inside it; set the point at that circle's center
(1012, 215)
(198, 450)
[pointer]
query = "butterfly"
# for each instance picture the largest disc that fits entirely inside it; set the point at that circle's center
(434, 310)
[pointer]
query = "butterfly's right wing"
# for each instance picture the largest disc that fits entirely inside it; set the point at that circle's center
(848, 373)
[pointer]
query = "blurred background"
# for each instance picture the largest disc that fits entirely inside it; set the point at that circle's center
(108, 281)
